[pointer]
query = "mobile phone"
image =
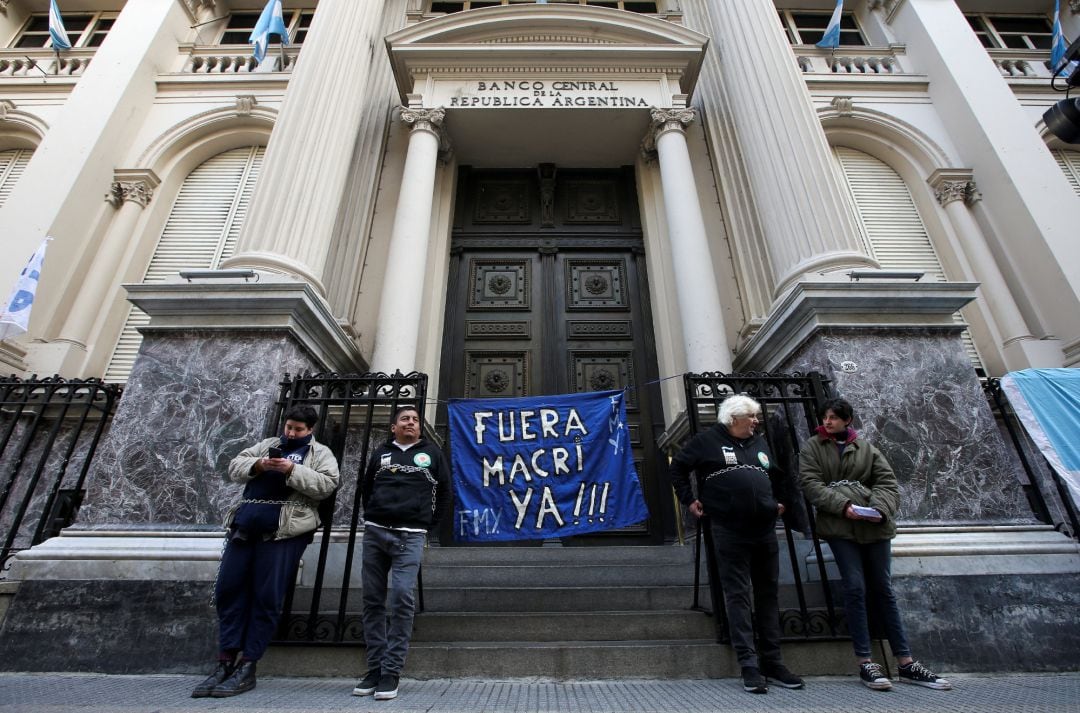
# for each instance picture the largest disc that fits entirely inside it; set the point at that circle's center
(275, 452)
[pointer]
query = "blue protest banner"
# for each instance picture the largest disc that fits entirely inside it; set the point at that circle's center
(539, 467)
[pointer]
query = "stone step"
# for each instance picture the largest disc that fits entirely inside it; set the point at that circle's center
(555, 626)
(558, 660)
(559, 555)
(557, 575)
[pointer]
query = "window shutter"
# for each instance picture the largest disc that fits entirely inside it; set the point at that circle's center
(1069, 161)
(892, 224)
(12, 164)
(200, 233)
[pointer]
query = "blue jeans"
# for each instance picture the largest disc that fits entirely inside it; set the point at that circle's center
(391, 561)
(867, 571)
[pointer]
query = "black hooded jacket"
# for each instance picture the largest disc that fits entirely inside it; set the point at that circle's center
(739, 492)
(406, 489)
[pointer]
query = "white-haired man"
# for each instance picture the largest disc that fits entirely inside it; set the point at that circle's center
(742, 490)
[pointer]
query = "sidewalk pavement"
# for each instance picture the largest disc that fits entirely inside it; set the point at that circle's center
(982, 693)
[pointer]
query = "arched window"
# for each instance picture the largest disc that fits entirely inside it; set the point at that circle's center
(1069, 161)
(200, 233)
(890, 222)
(12, 164)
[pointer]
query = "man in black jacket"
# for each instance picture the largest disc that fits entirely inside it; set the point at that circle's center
(742, 490)
(405, 490)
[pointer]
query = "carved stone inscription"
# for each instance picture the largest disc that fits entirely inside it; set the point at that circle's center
(547, 94)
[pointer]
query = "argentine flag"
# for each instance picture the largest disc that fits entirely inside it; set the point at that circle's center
(831, 40)
(59, 35)
(1057, 49)
(15, 319)
(270, 22)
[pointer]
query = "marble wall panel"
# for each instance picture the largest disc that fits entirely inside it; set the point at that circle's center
(193, 401)
(918, 400)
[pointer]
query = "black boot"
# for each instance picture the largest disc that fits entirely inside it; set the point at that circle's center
(241, 681)
(224, 670)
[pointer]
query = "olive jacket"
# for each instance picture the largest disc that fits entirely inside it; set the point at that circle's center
(860, 476)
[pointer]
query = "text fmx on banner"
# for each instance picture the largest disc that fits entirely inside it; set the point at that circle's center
(540, 467)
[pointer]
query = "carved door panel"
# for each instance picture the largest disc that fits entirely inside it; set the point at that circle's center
(550, 297)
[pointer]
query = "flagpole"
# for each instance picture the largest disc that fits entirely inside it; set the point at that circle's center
(56, 67)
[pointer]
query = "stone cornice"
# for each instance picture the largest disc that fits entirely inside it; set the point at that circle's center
(271, 304)
(812, 306)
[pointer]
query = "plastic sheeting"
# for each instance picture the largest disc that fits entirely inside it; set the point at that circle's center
(1047, 402)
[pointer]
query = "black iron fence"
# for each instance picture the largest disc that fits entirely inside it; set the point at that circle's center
(790, 404)
(49, 430)
(1047, 494)
(354, 418)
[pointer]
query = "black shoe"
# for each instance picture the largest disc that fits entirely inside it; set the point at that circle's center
(779, 674)
(366, 685)
(920, 675)
(873, 676)
(387, 687)
(224, 670)
(242, 680)
(753, 681)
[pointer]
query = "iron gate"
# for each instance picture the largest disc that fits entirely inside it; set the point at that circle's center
(790, 404)
(49, 430)
(354, 418)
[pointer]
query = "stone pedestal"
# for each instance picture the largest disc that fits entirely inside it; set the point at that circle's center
(144, 553)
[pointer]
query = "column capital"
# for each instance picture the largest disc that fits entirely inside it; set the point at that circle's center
(424, 119)
(1074, 5)
(4, 6)
(953, 185)
(132, 184)
(664, 120)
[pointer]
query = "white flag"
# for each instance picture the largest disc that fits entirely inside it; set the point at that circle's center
(15, 319)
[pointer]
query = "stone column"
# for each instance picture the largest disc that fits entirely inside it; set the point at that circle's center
(957, 192)
(290, 225)
(406, 264)
(1030, 205)
(74, 162)
(807, 225)
(695, 280)
(130, 193)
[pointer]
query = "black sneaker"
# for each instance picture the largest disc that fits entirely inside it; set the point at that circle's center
(223, 671)
(387, 687)
(920, 675)
(779, 674)
(873, 676)
(366, 685)
(753, 681)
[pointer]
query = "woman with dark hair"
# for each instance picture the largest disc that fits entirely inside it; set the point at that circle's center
(856, 497)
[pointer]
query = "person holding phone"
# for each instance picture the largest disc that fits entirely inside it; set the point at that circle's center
(855, 493)
(284, 479)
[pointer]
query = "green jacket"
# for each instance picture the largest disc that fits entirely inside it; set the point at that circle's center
(312, 481)
(861, 476)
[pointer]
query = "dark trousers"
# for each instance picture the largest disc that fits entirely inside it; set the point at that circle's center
(866, 570)
(254, 577)
(391, 563)
(750, 565)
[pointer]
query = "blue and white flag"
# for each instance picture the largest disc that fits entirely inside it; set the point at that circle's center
(831, 40)
(15, 319)
(540, 467)
(1047, 402)
(271, 22)
(1058, 48)
(57, 31)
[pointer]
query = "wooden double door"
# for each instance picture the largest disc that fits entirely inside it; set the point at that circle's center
(548, 294)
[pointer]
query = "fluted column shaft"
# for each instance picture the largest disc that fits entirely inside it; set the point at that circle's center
(130, 193)
(956, 196)
(807, 224)
(695, 280)
(398, 328)
(290, 225)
